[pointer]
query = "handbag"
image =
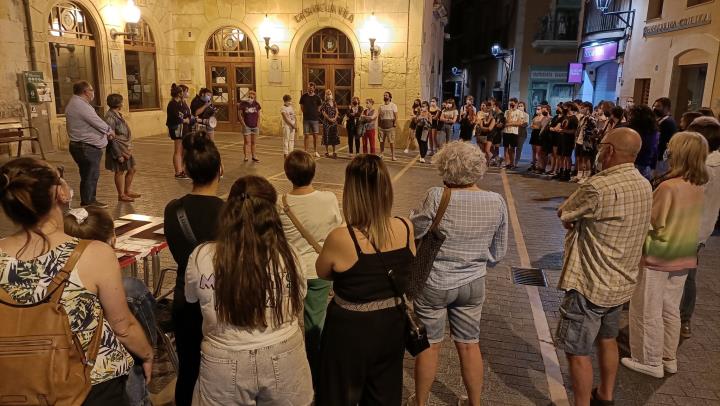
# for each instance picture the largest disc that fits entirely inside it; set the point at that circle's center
(416, 340)
(299, 226)
(427, 248)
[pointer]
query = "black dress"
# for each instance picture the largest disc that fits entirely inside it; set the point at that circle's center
(361, 353)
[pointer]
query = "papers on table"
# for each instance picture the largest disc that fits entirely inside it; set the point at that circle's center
(120, 223)
(138, 245)
(159, 231)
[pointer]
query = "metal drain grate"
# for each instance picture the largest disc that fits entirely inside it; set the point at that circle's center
(529, 276)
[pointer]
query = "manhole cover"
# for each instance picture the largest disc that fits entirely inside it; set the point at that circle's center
(529, 276)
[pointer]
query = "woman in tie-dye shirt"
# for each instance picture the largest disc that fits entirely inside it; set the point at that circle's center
(670, 250)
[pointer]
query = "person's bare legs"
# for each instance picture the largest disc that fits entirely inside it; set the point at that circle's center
(129, 176)
(512, 156)
(472, 370)
(306, 141)
(120, 184)
(253, 137)
(581, 374)
(246, 143)
(392, 151)
(608, 359)
(425, 369)
(382, 147)
(315, 138)
(487, 147)
(177, 156)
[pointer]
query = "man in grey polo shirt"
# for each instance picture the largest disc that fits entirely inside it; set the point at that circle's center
(88, 135)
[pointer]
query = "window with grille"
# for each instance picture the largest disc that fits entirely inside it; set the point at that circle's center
(641, 94)
(328, 44)
(71, 42)
(655, 8)
(229, 42)
(141, 67)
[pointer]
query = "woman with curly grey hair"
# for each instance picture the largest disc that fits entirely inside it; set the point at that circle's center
(475, 229)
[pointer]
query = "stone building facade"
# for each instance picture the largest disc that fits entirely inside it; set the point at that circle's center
(673, 52)
(218, 44)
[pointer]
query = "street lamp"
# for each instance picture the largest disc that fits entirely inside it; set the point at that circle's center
(131, 15)
(507, 56)
(602, 5)
(266, 31)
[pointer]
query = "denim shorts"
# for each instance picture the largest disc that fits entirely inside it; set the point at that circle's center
(251, 130)
(387, 135)
(463, 304)
(311, 126)
(275, 375)
(582, 322)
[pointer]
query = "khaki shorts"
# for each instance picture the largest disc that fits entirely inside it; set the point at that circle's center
(387, 135)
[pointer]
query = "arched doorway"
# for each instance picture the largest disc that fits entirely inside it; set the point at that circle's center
(72, 51)
(230, 73)
(328, 61)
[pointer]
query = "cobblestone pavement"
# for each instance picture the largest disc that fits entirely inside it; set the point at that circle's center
(514, 369)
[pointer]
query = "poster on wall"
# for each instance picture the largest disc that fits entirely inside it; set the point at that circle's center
(117, 65)
(275, 71)
(375, 72)
(575, 73)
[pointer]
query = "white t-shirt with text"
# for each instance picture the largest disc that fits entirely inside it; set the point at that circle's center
(387, 111)
(200, 287)
(290, 113)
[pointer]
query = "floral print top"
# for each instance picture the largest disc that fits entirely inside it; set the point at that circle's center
(27, 282)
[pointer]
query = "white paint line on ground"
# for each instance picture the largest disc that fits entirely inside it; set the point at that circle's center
(556, 386)
(403, 170)
(275, 176)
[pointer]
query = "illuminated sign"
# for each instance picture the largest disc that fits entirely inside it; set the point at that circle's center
(575, 73)
(599, 53)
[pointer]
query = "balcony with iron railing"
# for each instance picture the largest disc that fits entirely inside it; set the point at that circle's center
(557, 32)
(597, 21)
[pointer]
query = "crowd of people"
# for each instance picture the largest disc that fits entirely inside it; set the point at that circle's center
(254, 317)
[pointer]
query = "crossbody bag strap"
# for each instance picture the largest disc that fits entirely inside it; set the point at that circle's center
(306, 235)
(390, 274)
(444, 202)
(185, 225)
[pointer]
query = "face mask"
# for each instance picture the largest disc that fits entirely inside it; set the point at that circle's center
(206, 98)
(521, 108)
(558, 111)
(544, 113)
(606, 113)
(659, 112)
(386, 99)
(354, 103)
(667, 155)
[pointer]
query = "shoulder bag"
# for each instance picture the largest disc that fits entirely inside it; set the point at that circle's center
(306, 235)
(427, 248)
(185, 225)
(416, 340)
(41, 360)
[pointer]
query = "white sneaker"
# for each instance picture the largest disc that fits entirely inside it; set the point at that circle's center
(654, 371)
(582, 180)
(575, 179)
(670, 366)
(407, 151)
(422, 160)
(463, 400)
(317, 155)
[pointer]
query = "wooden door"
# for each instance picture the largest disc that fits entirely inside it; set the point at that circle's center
(229, 83)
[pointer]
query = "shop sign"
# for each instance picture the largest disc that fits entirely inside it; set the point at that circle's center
(575, 73)
(548, 75)
(599, 53)
(325, 8)
(677, 25)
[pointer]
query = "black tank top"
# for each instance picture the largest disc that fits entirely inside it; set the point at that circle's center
(367, 279)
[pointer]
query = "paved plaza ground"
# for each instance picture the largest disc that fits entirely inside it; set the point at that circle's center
(518, 322)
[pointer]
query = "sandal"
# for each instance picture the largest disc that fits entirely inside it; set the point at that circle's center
(133, 195)
(334, 155)
(125, 199)
(327, 155)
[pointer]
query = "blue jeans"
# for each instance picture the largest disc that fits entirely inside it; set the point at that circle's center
(142, 305)
(87, 158)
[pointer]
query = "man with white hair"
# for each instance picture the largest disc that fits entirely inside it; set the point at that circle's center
(607, 219)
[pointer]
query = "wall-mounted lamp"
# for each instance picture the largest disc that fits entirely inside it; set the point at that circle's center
(373, 31)
(604, 5)
(374, 50)
(266, 30)
(131, 15)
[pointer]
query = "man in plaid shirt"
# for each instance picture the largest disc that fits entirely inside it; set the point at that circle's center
(607, 220)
